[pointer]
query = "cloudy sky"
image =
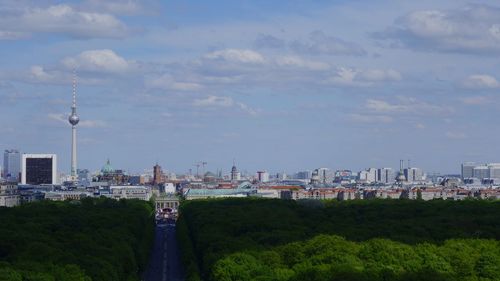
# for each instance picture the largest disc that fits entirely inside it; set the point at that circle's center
(277, 85)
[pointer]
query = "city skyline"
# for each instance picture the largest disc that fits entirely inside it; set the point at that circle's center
(293, 87)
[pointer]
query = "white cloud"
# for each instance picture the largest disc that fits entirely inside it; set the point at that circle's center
(98, 61)
(236, 55)
(479, 81)
(407, 105)
(122, 7)
(293, 61)
(420, 126)
(167, 82)
(472, 29)
(475, 100)
(63, 19)
(366, 118)
(383, 106)
(354, 77)
(221, 101)
(246, 108)
(214, 101)
(39, 74)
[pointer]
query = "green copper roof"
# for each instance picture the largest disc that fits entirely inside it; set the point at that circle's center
(106, 169)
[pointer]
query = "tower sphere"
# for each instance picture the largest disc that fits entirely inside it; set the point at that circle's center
(73, 119)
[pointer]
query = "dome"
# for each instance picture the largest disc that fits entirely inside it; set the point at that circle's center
(107, 169)
(401, 177)
(73, 119)
(209, 174)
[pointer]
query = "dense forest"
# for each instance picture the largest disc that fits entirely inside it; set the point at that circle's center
(92, 239)
(259, 239)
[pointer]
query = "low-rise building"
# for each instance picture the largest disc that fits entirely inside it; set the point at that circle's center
(129, 192)
(9, 194)
(66, 195)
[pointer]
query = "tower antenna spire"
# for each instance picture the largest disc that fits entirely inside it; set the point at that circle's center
(74, 89)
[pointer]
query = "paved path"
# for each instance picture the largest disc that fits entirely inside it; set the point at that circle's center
(164, 263)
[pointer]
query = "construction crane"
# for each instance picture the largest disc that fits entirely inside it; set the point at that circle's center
(198, 165)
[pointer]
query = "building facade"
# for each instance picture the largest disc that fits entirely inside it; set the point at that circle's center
(262, 176)
(11, 165)
(385, 175)
(39, 169)
(9, 194)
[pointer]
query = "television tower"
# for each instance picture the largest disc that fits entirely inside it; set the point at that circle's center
(73, 120)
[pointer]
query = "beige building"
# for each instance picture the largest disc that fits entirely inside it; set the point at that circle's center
(9, 195)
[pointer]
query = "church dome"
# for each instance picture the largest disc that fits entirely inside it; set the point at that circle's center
(107, 168)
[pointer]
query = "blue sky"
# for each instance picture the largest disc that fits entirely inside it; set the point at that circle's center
(276, 85)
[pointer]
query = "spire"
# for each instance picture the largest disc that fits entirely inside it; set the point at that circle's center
(74, 89)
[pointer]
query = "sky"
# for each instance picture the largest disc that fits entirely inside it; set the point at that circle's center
(272, 85)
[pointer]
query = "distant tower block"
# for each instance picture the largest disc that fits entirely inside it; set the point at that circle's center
(73, 120)
(235, 175)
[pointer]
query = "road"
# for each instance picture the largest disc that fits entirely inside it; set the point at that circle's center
(164, 263)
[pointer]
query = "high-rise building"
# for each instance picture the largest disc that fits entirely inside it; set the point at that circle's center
(468, 170)
(158, 177)
(369, 175)
(39, 169)
(304, 175)
(281, 176)
(11, 165)
(262, 176)
(494, 170)
(481, 172)
(73, 119)
(325, 175)
(385, 175)
(414, 174)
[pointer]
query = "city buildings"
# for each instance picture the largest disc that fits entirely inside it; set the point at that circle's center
(262, 176)
(39, 169)
(368, 176)
(304, 175)
(11, 165)
(343, 176)
(414, 174)
(112, 176)
(386, 175)
(130, 192)
(235, 175)
(9, 194)
(468, 170)
(322, 176)
(158, 176)
(483, 172)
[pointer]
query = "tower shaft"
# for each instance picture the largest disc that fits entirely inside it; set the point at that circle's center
(73, 153)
